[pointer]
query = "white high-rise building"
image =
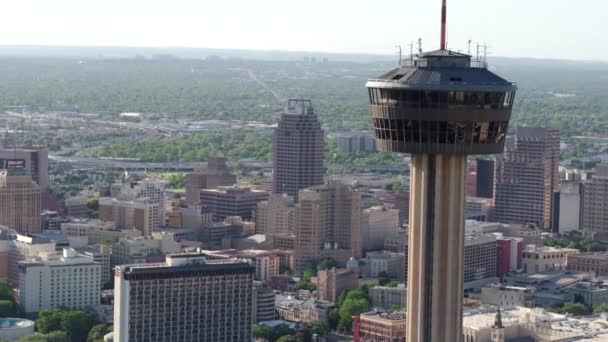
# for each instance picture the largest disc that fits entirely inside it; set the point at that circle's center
(69, 281)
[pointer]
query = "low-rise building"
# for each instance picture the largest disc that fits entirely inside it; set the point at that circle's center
(331, 283)
(141, 250)
(97, 231)
(507, 296)
(527, 324)
(384, 262)
(387, 297)
(380, 327)
(542, 259)
(592, 293)
(589, 262)
(302, 311)
(77, 206)
(70, 281)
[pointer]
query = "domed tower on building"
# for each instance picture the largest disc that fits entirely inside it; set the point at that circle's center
(440, 106)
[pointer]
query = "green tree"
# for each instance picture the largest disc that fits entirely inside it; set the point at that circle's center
(7, 308)
(48, 320)
(58, 336)
(287, 338)
(320, 328)
(576, 309)
(98, 332)
(5, 290)
(262, 331)
(599, 308)
(327, 263)
(32, 338)
(77, 324)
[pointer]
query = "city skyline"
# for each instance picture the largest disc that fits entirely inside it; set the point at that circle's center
(70, 23)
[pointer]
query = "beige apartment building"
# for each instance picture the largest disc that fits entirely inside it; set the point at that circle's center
(140, 214)
(376, 224)
(541, 259)
(595, 202)
(19, 202)
(327, 224)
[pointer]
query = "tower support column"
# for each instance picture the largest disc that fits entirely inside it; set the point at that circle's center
(436, 240)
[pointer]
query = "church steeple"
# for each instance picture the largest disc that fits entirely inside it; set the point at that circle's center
(498, 320)
(498, 330)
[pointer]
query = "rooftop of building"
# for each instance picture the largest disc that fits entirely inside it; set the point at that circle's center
(548, 249)
(592, 256)
(591, 328)
(183, 262)
(384, 316)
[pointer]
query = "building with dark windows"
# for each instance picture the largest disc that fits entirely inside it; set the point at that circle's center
(35, 159)
(527, 177)
(187, 298)
(297, 149)
(485, 178)
(19, 202)
(440, 106)
(226, 201)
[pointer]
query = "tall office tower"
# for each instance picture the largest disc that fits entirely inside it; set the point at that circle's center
(151, 190)
(187, 298)
(327, 223)
(215, 174)
(527, 176)
(297, 149)
(485, 178)
(595, 202)
(570, 202)
(35, 160)
(19, 202)
(233, 200)
(440, 106)
(274, 218)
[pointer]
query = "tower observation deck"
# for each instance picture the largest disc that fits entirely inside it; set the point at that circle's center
(440, 108)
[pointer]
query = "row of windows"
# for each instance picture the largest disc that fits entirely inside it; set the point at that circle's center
(441, 99)
(441, 132)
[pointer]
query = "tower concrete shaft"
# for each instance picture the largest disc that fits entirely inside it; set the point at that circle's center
(436, 239)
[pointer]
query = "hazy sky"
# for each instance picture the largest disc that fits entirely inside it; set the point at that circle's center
(574, 29)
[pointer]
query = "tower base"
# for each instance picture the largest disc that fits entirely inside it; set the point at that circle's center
(436, 248)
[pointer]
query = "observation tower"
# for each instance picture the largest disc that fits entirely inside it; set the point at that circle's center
(440, 106)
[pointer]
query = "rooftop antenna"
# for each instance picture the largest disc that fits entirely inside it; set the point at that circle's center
(400, 53)
(443, 23)
(411, 44)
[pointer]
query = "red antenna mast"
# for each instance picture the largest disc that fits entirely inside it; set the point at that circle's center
(443, 23)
